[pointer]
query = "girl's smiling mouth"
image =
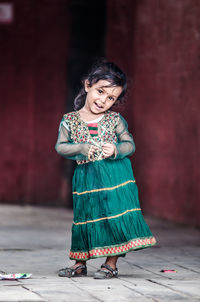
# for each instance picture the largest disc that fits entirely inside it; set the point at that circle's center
(98, 105)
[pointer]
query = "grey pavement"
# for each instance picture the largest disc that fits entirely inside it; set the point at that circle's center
(37, 240)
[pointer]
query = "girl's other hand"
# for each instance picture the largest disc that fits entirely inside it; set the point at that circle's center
(108, 149)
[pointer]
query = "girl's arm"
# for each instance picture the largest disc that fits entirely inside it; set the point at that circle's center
(68, 149)
(125, 145)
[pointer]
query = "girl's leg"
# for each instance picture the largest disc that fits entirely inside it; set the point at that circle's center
(112, 260)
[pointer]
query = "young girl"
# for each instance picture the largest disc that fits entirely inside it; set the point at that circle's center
(107, 216)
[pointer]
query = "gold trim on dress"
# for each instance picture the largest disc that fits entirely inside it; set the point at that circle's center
(104, 189)
(108, 217)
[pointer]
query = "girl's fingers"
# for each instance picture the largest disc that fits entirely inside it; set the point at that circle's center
(107, 153)
(94, 149)
(107, 145)
(108, 150)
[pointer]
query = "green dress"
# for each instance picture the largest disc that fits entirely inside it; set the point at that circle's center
(107, 216)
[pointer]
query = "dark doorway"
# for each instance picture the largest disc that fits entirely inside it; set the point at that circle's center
(87, 34)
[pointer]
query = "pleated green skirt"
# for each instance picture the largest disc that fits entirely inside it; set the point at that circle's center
(107, 216)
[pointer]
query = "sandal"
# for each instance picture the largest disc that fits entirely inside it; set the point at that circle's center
(72, 272)
(106, 274)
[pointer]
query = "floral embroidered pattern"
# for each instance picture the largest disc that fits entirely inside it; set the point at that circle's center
(123, 248)
(79, 131)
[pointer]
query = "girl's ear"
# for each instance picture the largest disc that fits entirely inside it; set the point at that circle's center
(87, 85)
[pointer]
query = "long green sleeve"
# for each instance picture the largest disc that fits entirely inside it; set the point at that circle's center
(125, 145)
(66, 148)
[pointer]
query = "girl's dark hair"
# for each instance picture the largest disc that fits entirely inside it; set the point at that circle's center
(102, 71)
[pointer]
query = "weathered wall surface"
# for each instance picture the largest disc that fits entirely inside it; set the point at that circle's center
(33, 52)
(161, 55)
(158, 44)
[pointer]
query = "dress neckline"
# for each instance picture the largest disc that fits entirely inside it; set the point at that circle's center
(93, 121)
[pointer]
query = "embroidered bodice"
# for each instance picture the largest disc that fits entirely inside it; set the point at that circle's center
(93, 126)
(75, 137)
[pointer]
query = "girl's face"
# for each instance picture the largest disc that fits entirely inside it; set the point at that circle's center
(101, 98)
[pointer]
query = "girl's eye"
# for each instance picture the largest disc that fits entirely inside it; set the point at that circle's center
(111, 98)
(100, 91)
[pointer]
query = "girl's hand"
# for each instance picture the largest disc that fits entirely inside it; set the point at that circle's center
(92, 150)
(108, 149)
(86, 148)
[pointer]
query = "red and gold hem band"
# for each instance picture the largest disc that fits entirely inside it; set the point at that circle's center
(123, 248)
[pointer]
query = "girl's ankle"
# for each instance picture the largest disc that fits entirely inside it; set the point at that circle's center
(111, 264)
(80, 262)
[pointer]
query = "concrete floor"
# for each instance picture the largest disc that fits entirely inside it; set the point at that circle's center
(36, 240)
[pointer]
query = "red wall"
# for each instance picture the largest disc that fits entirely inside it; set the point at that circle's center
(33, 51)
(157, 44)
(161, 56)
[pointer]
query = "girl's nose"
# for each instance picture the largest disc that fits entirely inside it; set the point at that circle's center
(103, 98)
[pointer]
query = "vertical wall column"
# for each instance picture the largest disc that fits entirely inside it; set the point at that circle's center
(33, 90)
(162, 38)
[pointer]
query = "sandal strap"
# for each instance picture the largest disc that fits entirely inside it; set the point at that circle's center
(81, 266)
(114, 272)
(73, 270)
